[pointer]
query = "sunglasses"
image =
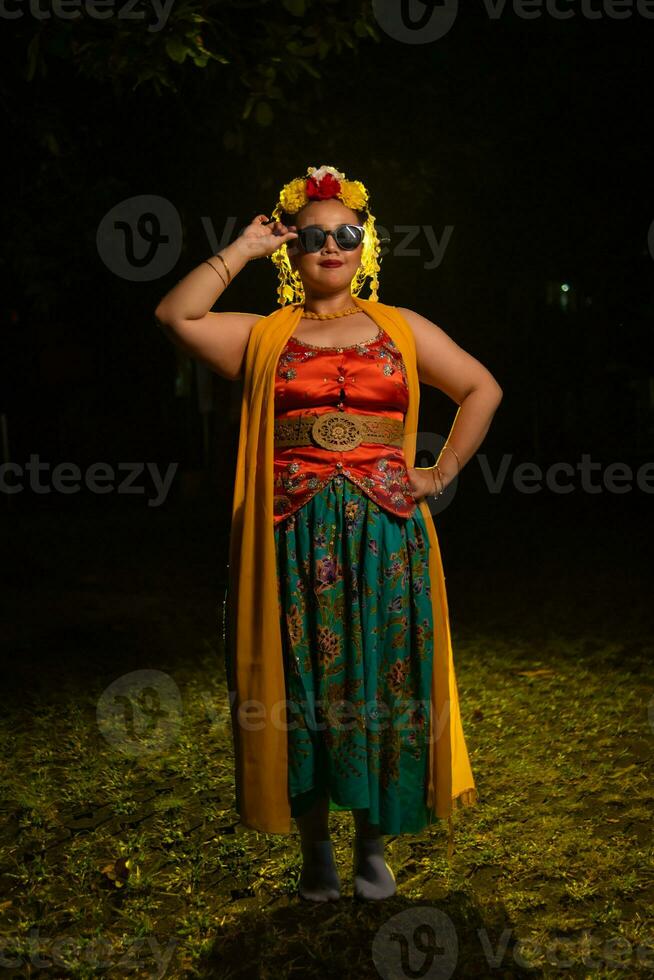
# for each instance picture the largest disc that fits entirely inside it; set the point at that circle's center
(312, 238)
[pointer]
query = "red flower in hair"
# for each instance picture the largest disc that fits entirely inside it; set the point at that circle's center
(327, 187)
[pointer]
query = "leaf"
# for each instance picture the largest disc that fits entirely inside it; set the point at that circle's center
(176, 49)
(146, 73)
(50, 141)
(263, 114)
(373, 33)
(200, 59)
(295, 7)
(620, 772)
(32, 56)
(117, 871)
(310, 69)
(248, 106)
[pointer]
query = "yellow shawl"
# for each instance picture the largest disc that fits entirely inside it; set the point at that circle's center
(258, 726)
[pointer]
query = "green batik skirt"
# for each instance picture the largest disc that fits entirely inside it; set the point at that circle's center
(357, 639)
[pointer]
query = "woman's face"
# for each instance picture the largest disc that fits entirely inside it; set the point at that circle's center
(318, 279)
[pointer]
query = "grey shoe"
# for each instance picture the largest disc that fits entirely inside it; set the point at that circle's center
(319, 881)
(373, 877)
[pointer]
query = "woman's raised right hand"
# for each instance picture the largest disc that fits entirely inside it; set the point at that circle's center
(259, 240)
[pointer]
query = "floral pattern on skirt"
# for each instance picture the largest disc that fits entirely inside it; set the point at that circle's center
(357, 639)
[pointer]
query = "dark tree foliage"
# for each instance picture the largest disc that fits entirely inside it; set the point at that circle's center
(166, 98)
(259, 50)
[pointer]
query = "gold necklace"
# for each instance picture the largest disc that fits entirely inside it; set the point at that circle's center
(328, 316)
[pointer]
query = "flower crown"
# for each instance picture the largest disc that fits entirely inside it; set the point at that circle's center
(322, 184)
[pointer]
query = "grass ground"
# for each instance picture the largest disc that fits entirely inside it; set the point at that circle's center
(121, 853)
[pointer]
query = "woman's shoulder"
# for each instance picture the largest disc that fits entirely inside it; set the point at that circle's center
(420, 325)
(410, 315)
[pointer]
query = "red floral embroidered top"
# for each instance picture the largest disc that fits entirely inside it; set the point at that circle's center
(368, 378)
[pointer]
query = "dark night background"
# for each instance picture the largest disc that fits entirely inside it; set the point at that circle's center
(523, 140)
(528, 138)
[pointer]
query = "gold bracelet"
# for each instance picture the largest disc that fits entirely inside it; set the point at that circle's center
(229, 275)
(217, 273)
(452, 449)
(437, 493)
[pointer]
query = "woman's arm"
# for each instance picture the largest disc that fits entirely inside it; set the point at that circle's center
(443, 364)
(184, 314)
(218, 339)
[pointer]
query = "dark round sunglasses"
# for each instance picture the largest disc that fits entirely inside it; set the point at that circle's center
(312, 238)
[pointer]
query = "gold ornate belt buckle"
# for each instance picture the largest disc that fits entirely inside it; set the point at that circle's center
(337, 431)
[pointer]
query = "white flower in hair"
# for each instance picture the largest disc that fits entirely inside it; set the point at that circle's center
(321, 171)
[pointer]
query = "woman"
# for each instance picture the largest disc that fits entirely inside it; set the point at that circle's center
(336, 589)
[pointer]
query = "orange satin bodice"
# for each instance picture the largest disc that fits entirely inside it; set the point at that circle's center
(367, 378)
